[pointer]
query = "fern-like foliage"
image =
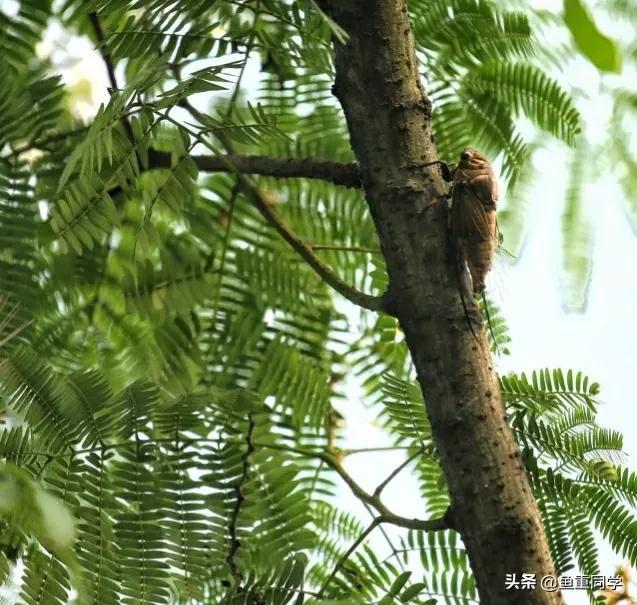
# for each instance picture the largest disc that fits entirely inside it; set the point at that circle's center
(575, 466)
(528, 91)
(577, 231)
(170, 494)
(480, 63)
(21, 31)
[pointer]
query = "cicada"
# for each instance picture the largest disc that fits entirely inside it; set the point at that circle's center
(473, 227)
(472, 220)
(473, 224)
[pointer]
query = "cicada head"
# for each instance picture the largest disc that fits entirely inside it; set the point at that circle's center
(472, 158)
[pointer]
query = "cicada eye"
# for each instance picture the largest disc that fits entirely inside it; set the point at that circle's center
(465, 155)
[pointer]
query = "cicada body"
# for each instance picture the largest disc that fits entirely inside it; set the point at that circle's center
(473, 224)
(473, 228)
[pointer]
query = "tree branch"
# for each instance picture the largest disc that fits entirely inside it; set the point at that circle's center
(380, 89)
(366, 450)
(393, 548)
(110, 69)
(383, 484)
(338, 248)
(337, 173)
(99, 36)
(386, 515)
(44, 142)
(375, 523)
(255, 196)
(308, 168)
(366, 301)
(234, 544)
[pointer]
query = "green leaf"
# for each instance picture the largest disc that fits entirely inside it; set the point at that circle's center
(528, 91)
(577, 233)
(412, 591)
(600, 50)
(399, 582)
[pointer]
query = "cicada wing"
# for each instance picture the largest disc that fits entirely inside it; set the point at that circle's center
(485, 186)
(474, 226)
(500, 276)
(496, 298)
(469, 217)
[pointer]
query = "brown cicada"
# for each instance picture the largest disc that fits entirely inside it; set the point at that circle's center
(472, 224)
(472, 220)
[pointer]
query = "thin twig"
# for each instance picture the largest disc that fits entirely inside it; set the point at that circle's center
(361, 299)
(389, 517)
(337, 173)
(110, 69)
(43, 142)
(456, 550)
(248, 50)
(317, 472)
(345, 248)
(365, 450)
(256, 197)
(235, 543)
(7, 317)
(373, 500)
(101, 39)
(377, 521)
(381, 486)
(387, 538)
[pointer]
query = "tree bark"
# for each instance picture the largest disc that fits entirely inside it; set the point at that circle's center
(389, 120)
(345, 175)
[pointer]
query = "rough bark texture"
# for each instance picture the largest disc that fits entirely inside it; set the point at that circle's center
(309, 168)
(388, 115)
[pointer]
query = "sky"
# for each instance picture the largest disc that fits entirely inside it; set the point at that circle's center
(599, 341)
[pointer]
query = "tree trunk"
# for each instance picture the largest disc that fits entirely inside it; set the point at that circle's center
(389, 120)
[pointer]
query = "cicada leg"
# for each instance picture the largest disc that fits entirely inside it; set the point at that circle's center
(436, 200)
